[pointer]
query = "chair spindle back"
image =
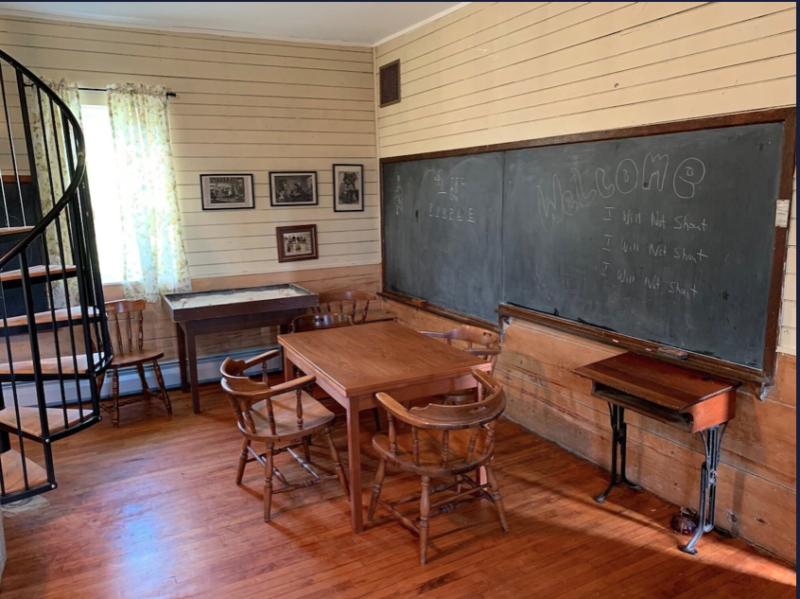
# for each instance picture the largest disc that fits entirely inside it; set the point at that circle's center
(123, 314)
(243, 391)
(346, 302)
(315, 322)
(480, 417)
(478, 342)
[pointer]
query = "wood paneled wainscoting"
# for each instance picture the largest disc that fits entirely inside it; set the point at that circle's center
(757, 477)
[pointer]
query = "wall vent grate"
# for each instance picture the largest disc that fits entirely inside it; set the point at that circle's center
(390, 83)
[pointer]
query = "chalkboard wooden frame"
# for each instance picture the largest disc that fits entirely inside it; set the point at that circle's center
(442, 311)
(766, 374)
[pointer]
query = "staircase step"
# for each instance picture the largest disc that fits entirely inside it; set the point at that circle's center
(47, 317)
(50, 365)
(13, 479)
(31, 424)
(14, 230)
(56, 271)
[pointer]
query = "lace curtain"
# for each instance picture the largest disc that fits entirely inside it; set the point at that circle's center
(50, 154)
(154, 260)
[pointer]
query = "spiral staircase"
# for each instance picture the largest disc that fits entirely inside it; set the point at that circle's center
(55, 335)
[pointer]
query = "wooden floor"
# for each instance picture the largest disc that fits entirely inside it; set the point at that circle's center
(151, 510)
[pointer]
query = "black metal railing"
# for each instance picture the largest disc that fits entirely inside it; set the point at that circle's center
(51, 295)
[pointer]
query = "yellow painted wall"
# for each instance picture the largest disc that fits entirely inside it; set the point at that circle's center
(502, 72)
(243, 106)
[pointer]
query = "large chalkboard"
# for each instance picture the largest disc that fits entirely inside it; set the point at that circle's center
(667, 238)
(665, 235)
(442, 223)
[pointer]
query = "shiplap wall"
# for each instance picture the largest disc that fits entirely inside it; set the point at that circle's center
(501, 72)
(243, 106)
(508, 71)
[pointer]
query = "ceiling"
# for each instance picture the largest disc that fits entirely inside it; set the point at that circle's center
(362, 23)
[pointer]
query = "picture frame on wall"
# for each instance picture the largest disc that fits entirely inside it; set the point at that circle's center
(293, 188)
(348, 188)
(227, 192)
(297, 242)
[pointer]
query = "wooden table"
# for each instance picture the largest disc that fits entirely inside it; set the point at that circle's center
(226, 310)
(353, 363)
(695, 401)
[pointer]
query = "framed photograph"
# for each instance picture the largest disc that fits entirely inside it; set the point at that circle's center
(226, 192)
(348, 188)
(298, 242)
(293, 189)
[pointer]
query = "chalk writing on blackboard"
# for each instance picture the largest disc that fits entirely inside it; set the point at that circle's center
(602, 186)
(687, 177)
(655, 166)
(627, 178)
(397, 197)
(583, 198)
(685, 222)
(452, 186)
(564, 202)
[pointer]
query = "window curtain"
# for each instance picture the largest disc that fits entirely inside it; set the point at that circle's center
(50, 154)
(154, 260)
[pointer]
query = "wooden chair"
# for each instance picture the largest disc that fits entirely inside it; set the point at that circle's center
(346, 302)
(316, 322)
(478, 342)
(283, 417)
(443, 442)
(125, 315)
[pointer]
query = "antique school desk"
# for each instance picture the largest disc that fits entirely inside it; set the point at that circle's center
(696, 401)
(208, 312)
(353, 363)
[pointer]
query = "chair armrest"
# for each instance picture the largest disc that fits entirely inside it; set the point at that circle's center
(397, 410)
(437, 334)
(483, 351)
(293, 385)
(268, 355)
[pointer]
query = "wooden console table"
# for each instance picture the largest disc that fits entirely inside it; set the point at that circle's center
(694, 400)
(226, 310)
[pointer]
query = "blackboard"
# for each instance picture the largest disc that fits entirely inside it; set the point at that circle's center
(662, 236)
(442, 226)
(668, 238)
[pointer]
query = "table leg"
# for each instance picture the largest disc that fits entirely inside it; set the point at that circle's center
(354, 463)
(712, 441)
(288, 367)
(181, 337)
(619, 445)
(191, 347)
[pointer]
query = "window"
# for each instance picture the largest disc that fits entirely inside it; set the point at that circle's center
(103, 189)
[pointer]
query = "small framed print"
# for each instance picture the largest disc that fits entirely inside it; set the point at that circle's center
(293, 189)
(348, 188)
(227, 192)
(297, 242)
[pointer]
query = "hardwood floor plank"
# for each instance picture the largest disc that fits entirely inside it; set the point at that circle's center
(151, 510)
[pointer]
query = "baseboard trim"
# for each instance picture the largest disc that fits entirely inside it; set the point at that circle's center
(207, 372)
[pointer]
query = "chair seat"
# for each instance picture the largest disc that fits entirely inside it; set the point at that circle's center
(134, 358)
(284, 409)
(430, 452)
